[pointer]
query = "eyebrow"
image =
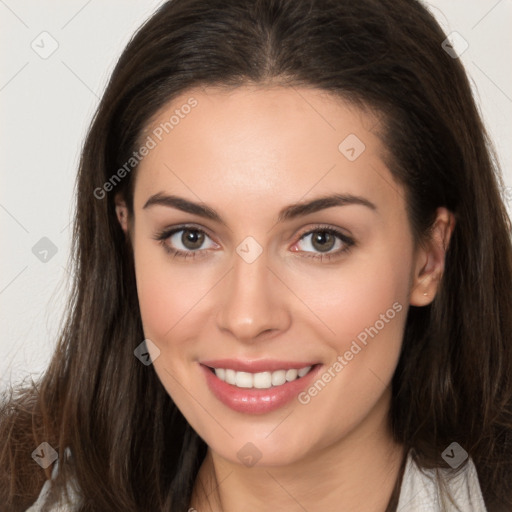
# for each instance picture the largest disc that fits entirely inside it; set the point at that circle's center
(287, 213)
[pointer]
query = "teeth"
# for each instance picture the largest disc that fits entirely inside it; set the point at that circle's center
(243, 380)
(291, 375)
(230, 376)
(261, 380)
(278, 378)
(304, 371)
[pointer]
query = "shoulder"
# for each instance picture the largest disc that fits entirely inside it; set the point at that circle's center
(424, 490)
(62, 504)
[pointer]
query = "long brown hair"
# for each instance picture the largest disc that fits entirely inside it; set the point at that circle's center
(132, 450)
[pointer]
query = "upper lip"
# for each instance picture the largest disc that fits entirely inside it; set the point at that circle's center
(256, 366)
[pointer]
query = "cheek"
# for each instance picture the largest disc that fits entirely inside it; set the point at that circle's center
(360, 296)
(374, 312)
(367, 316)
(163, 291)
(156, 300)
(171, 295)
(370, 304)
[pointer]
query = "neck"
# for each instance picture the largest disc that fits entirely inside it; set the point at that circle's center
(355, 473)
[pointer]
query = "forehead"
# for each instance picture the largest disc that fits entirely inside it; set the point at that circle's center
(255, 142)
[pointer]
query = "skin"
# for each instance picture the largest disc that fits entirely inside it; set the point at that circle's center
(248, 153)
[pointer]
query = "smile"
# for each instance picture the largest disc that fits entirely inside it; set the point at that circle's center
(257, 387)
(260, 380)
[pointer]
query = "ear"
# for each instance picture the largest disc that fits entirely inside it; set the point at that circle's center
(430, 259)
(121, 212)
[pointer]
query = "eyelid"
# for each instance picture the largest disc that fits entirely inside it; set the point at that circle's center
(347, 240)
(324, 227)
(337, 232)
(166, 233)
(306, 231)
(171, 230)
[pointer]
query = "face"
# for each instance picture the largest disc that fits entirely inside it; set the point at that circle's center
(278, 317)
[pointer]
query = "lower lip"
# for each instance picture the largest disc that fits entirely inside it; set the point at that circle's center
(256, 401)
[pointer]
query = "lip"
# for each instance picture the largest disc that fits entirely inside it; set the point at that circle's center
(259, 365)
(256, 401)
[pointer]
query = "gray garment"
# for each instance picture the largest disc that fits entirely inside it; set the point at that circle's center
(63, 505)
(420, 491)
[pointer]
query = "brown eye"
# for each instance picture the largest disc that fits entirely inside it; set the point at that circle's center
(323, 240)
(185, 241)
(192, 239)
(324, 243)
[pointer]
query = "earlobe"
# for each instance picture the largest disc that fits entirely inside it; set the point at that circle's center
(430, 260)
(122, 213)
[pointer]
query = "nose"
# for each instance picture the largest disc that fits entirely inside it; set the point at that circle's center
(254, 301)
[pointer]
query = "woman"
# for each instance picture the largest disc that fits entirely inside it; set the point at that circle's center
(293, 274)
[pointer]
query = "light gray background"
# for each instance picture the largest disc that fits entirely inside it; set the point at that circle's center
(47, 104)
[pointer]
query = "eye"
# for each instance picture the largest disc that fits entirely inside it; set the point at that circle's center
(184, 241)
(188, 242)
(328, 241)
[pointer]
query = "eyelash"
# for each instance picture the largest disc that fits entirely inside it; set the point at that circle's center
(348, 242)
